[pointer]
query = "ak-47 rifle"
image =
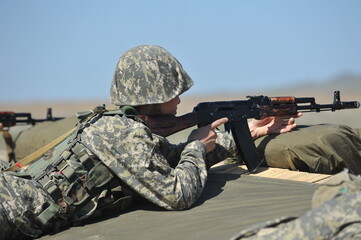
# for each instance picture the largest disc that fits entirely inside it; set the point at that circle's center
(238, 112)
(9, 119)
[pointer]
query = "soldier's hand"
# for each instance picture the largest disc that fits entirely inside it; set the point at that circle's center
(272, 125)
(207, 135)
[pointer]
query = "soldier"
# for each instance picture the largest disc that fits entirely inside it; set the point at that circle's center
(112, 159)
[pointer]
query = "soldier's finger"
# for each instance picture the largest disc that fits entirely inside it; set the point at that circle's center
(291, 121)
(218, 123)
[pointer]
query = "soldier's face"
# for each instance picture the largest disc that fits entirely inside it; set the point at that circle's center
(170, 108)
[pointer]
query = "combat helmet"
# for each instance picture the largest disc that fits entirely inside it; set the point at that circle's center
(148, 74)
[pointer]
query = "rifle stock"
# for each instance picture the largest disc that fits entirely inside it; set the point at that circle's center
(165, 125)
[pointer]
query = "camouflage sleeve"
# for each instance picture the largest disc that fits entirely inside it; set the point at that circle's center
(22, 200)
(225, 148)
(172, 152)
(136, 156)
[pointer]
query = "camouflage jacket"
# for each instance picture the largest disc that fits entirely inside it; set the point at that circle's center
(171, 176)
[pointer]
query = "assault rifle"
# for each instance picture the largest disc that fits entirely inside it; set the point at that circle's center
(9, 119)
(238, 112)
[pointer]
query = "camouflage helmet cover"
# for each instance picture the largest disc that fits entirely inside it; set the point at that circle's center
(148, 74)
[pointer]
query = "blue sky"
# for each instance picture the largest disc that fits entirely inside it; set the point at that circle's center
(68, 49)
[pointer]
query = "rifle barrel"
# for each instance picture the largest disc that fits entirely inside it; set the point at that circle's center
(328, 107)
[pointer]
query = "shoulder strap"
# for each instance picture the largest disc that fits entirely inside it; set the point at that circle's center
(37, 154)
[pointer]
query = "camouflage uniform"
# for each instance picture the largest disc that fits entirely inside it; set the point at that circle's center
(171, 176)
(21, 200)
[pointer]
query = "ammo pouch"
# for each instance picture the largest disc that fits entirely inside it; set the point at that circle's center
(78, 182)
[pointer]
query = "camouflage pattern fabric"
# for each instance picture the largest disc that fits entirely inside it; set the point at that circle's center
(21, 200)
(338, 218)
(318, 148)
(148, 74)
(171, 176)
(342, 183)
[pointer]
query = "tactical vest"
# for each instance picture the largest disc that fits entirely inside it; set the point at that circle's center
(80, 184)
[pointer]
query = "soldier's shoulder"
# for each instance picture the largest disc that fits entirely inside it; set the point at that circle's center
(119, 127)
